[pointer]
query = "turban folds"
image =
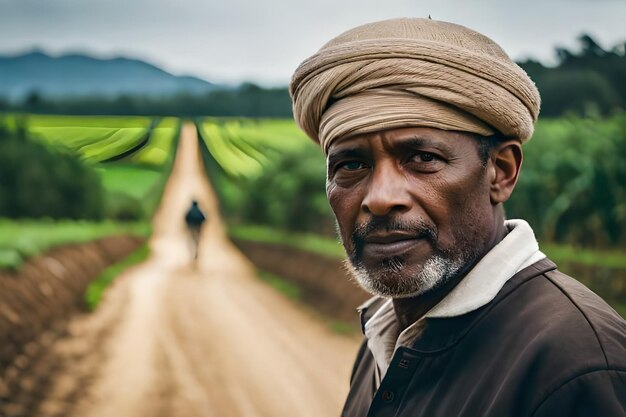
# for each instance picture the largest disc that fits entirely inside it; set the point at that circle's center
(412, 72)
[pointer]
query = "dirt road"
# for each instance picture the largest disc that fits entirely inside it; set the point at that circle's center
(173, 340)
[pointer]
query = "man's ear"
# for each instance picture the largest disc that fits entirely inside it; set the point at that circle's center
(505, 164)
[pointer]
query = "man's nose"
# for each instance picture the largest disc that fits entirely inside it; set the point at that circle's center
(387, 192)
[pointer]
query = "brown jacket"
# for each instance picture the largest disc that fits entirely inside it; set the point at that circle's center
(545, 346)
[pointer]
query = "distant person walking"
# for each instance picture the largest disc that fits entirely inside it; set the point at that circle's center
(194, 219)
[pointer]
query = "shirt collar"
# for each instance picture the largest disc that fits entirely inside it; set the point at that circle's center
(515, 252)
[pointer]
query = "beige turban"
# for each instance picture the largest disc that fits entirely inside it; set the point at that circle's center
(412, 72)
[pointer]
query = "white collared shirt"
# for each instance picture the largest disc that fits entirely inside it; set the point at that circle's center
(518, 250)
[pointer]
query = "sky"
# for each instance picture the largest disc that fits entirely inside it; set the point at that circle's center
(263, 41)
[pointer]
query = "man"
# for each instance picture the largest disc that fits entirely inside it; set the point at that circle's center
(422, 124)
(194, 219)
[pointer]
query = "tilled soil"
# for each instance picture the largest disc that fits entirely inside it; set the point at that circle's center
(35, 303)
(174, 338)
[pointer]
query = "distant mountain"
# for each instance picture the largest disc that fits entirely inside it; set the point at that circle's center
(81, 75)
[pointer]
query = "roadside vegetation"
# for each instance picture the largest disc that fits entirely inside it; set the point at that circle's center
(38, 181)
(266, 172)
(21, 239)
(96, 288)
(69, 179)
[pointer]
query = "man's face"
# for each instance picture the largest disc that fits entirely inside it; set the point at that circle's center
(412, 205)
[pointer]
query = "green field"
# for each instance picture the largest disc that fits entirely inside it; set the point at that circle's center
(20, 239)
(139, 175)
(135, 181)
(245, 147)
(161, 147)
(265, 171)
(94, 139)
(133, 184)
(118, 122)
(101, 138)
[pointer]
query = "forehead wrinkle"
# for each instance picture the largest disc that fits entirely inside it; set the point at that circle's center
(397, 142)
(415, 141)
(354, 143)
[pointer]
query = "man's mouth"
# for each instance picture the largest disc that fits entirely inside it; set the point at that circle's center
(386, 245)
(386, 238)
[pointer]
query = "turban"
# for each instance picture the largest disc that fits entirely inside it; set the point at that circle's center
(412, 72)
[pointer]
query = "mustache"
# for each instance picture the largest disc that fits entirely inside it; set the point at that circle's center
(417, 227)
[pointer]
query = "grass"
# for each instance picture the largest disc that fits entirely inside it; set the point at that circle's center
(590, 257)
(96, 288)
(281, 285)
(121, 141)
(160, 149)
(93, 144)
(304, 241)
(231, 159)
(21, 239)
(136, 181)
(42, 120)
(98, 138)
(71, 137)
(142, 176)
(132, 187)
(93, 138)
(244, 147)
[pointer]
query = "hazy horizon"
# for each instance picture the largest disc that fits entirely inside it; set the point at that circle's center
(263, 42)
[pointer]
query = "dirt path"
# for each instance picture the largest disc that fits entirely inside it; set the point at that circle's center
(173, 340)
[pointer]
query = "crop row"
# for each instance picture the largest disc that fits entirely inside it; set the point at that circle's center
(160, 148)
(245, 147)
(137, 140)
(95, 140)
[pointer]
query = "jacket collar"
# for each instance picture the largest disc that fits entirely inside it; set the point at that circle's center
(441, 333)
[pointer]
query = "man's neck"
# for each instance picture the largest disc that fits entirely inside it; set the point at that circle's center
(409, 310)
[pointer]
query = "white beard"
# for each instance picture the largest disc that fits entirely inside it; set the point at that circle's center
(436, 271)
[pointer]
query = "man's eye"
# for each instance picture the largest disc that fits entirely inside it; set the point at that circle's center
(425, 157)
(351, 165)
(425, 162)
